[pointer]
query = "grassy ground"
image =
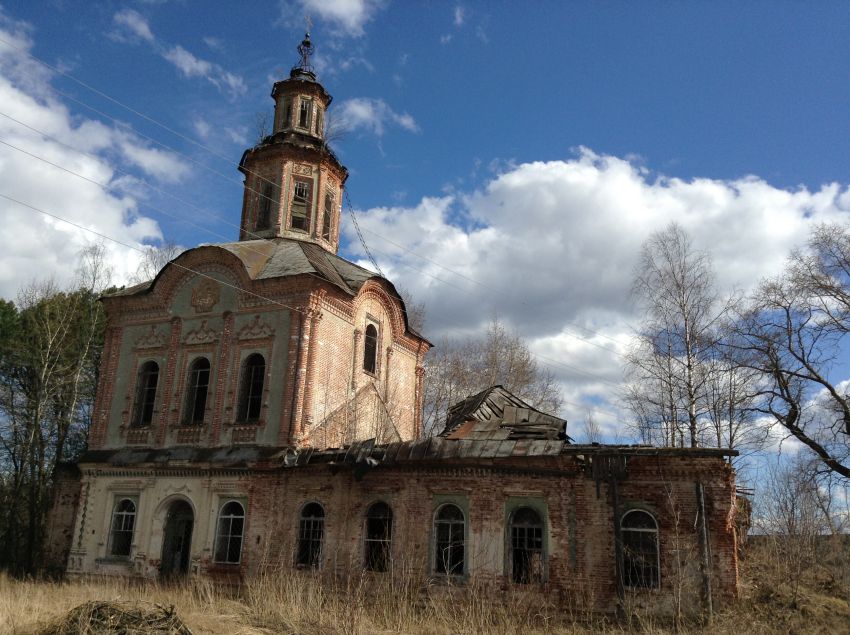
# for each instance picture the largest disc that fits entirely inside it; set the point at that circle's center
(780, 593)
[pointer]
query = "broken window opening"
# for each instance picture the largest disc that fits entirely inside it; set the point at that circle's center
(251, 390)
(196, 395)
(229, 533)
(319, 130)
(379, 529)
(266, 203)
(287, 113)
(123, 523)
(301, 203)
(305, 114)
(146, 394)
(449, 541)
(639, 534)
(370, 349)
(328, 216)
(311, 532)
(526, 546)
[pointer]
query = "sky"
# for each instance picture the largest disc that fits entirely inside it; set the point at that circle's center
(506, 158)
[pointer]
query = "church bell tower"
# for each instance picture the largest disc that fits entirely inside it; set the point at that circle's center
(293, 181)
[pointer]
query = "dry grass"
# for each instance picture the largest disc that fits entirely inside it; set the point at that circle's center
(362, 604)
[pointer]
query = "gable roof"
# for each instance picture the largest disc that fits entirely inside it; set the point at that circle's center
(497, 414)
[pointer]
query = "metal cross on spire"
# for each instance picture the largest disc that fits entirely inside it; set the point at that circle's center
(305, 49)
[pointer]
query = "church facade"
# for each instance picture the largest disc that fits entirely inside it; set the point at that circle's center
(260, 404)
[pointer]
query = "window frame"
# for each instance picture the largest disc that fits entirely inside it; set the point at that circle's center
(246, 394)
(308, 203)
(305, 105)
(144, 410)
(110, 547)
(539, 507)
(192, 386)
(435, 541)
(230, 536)
(328, 214)
(307, 530)
(266, 203)
(375, 370)
(286, 113)
(372, 560)
(624, 577)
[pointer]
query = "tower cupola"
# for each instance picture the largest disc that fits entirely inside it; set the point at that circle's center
(293, 181)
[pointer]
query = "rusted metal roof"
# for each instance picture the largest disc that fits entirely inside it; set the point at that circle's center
(497, 414)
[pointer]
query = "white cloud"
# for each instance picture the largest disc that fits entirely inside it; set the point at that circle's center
(345, 17)
(36, 246)
(552, 247)
(135, 23)
(363, 113)
(459, 15)
(192, 66)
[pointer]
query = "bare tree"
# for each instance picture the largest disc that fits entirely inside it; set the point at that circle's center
(262, 125)
(675, 360)
(592, 433)
(457, 369)
(153, 260)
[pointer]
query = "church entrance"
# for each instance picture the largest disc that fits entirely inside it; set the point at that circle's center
(177, 540)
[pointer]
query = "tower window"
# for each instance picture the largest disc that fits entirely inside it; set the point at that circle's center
(379, 533)
(251, 388)
(196, 395)
(123, 523)
(266, 203)
(145, 394)
(640, 550)
(302, 200)
(231, 528)
(370, 349)
(305, 114)
(328, 216)
(526, 546)
(287, 113)
(319, 130)
(311, 530)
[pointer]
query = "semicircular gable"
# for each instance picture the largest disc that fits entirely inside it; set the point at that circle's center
(374, 290)
(205, 262)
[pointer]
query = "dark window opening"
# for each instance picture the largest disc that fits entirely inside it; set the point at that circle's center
(266, 204)
(302, 201)
(379, 531)
(370, 350)
(123, 522)
(526, 546)
(319, 130)
(251, 390)
(328, 216)
(311, 531)
(639, 533)
(287, 113)
(146, 394)
(196, 395)
(231, 528)
(449, 541)
(305, 113)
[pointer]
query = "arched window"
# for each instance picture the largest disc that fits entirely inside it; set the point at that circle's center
(311, 532)
(145, 394)
(379, 533)
(265, 206)
(526, 546)
(302, 203)
(327, 219)
(229, 532)
(123, 523)
(370, 349)
(305, 113)
(251, 387)
(197, 388)
(639, 533)
(449, 547)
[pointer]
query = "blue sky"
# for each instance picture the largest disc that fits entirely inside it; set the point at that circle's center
(525, 149)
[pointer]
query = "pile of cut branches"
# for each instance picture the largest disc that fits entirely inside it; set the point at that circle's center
(119, 618)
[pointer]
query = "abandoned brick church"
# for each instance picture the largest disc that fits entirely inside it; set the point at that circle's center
(260, 403)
